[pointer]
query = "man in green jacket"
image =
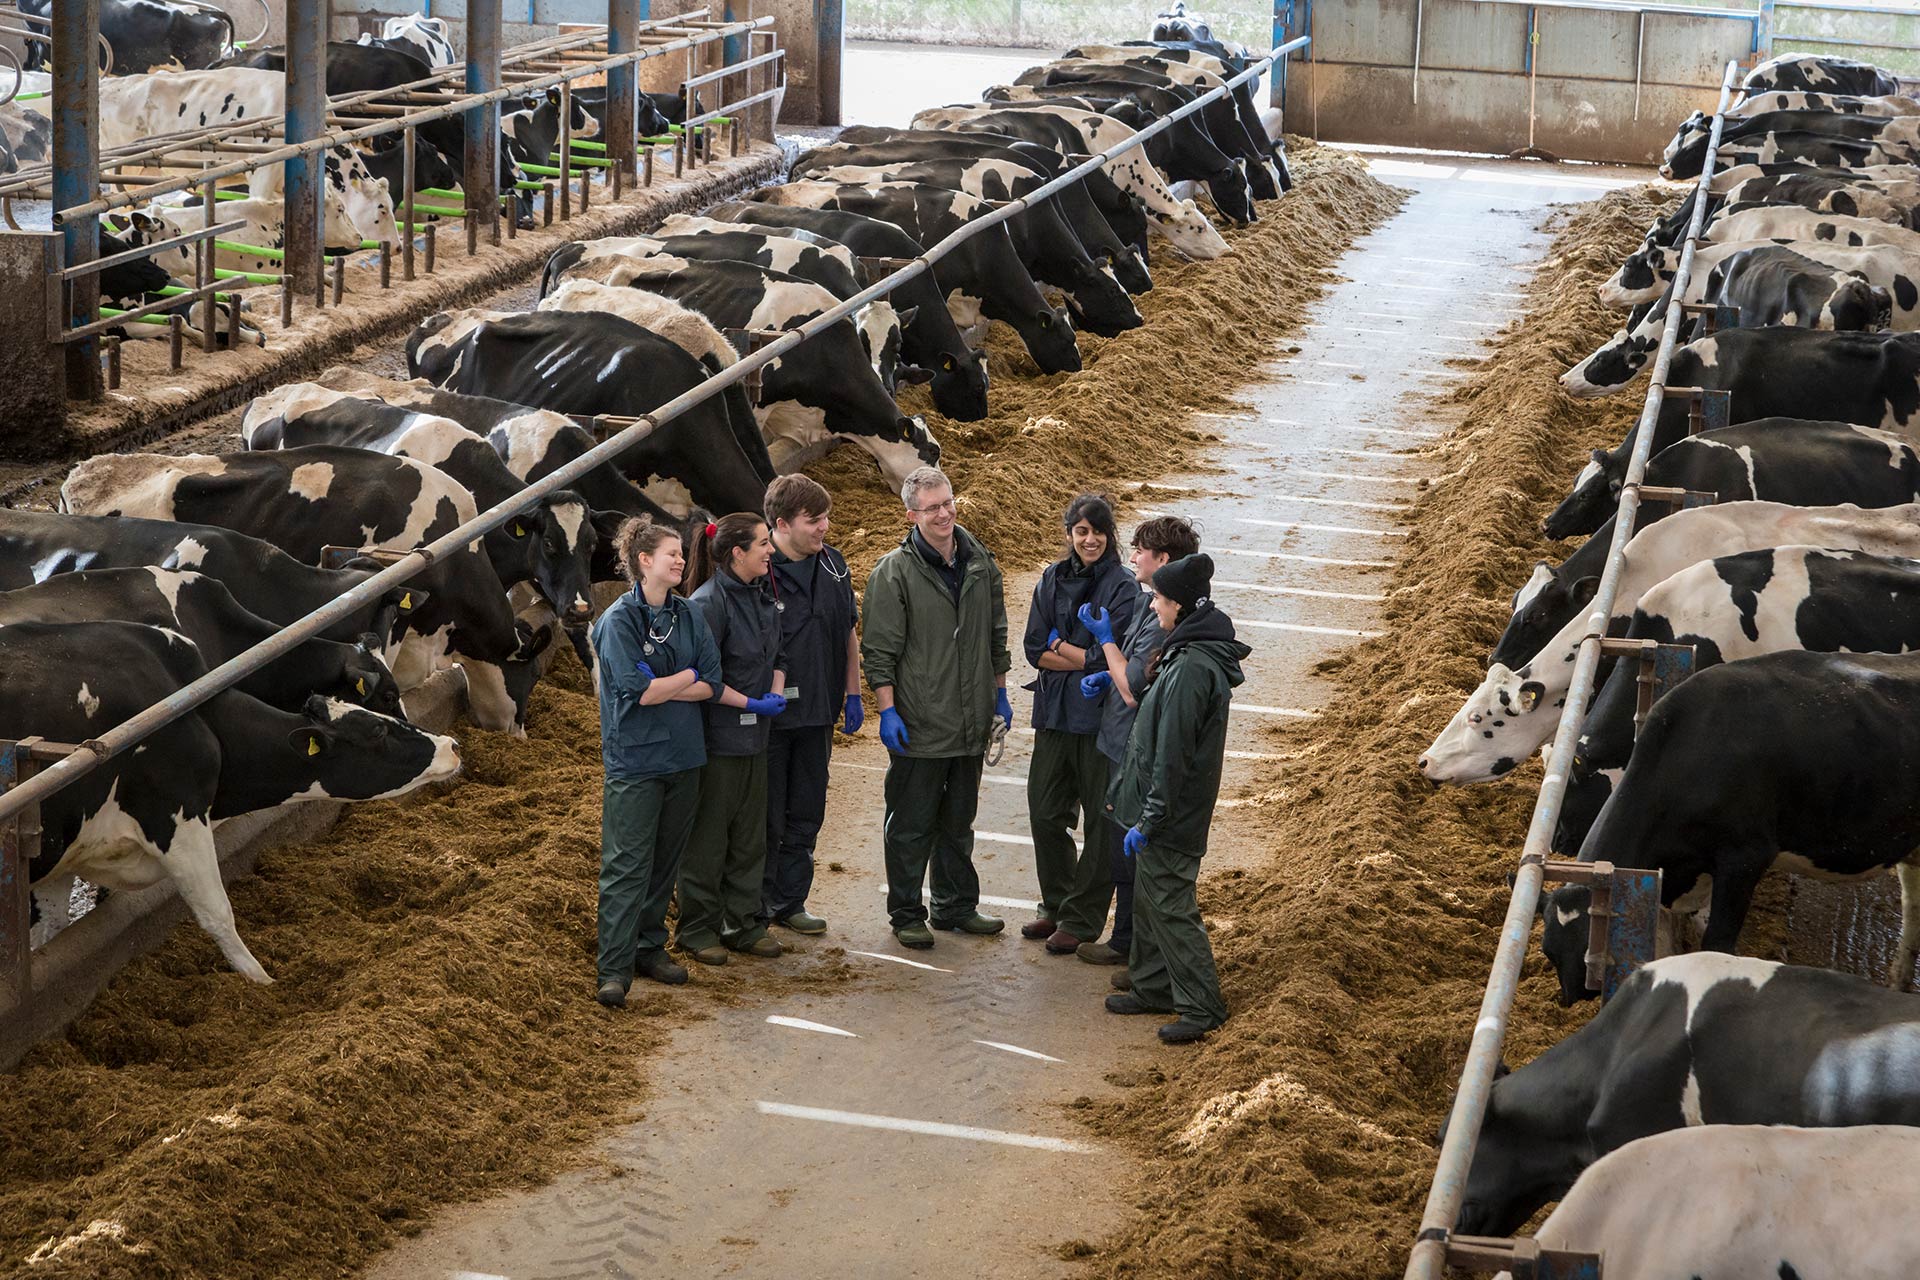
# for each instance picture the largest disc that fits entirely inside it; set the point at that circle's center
(1164, 793)
(935, 650)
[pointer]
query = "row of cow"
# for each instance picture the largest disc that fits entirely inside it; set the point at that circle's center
(159, 567)
(1794, 745)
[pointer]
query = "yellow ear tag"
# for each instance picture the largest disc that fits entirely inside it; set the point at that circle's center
(406, 601)
(519, 530)
(313, 746)
(361, 685)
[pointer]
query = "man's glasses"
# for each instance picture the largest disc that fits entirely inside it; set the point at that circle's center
(949, 505)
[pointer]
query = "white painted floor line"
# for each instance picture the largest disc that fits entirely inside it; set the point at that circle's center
(1335, 364)
(1299, 591)
(911, 964)
(1322, 528)
(988, 900)
(474, 1275)
(1354, 328)
(1440, 373)
(1355, 503)
(1401, 284)
(1293, 712)
(1290, 555)
(801, 1024)
(1367, 453)
(1383, 431)
(1309, 382)
(1303, 627)
(861, 1120)
(1000, 779)
(1344, 475)
(1002, 837)
(1254, 755)
(1025, 1053)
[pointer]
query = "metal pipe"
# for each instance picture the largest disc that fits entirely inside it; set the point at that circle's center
(306, 120)
(237, 668)
(623, 85)
(1428, 1258)
(1419, 21)
(76, 179)
(830, 33)
(480, 178)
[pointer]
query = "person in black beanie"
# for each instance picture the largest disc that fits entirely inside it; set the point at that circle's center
(1164, 793)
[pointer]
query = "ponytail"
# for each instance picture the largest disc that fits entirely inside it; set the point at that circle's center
(711, 543)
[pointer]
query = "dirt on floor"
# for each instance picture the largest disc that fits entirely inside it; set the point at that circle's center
(1298, 1141)
(1210, 326)
(431, 1034)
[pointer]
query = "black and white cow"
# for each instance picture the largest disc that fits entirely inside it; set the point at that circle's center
(1884, 200)
(1047, 245)
(1687, 150)
(426, 38)
(983, 278)
(1810, 761)
(1704, 1039)
(387, 162)
(813, 397)
(1805, 283)
(1808, 462)
(1646, 273)
(26, 137)
(1073, 131)
(36, 546)
(1740, 606)
(1814, 150)
(1177, 61)
(929, 338)
(304, 500)
(1175, 23)
(549, 545)
(1799, 184)
(1100, 237)
(649, 121)
(1514, 710)
(201, 608)
(1816, 73)
(149, 35)
(575, 363)
(147, 815)
(1785, 1202)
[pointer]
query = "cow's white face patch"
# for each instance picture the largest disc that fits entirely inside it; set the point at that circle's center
(1500, 724)
(1707, 351)
(311, 480)
(1542, 575)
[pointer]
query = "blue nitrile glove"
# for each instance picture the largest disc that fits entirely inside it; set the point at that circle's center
(1092, 686)
(856, 714)
(1136, 841)
(769, 705)
(1053, 638)
(1096, 621)
(893, 730)
(1003, 707)
(645, 670)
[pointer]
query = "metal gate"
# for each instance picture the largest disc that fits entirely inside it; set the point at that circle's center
(1576, 79)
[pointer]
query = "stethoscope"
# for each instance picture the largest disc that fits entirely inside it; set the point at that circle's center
(656, 638)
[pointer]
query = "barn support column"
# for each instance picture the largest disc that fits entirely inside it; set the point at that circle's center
(481, 175)
(830, 26)
(623, 83)
(76, 171)
(307, 24)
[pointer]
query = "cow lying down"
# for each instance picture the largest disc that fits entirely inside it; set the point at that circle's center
(1732, 1201)
(148, 814)
(1703, 1039)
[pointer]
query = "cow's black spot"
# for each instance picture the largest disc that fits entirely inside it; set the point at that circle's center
(1747, 576)
(1904, 293)
(1503, 766)
(240, 111)
(1787, 1271)
(1486, 733)
(1824, 231)
(183, 109)
(203, 117)
(1844, 203)
(227, 105)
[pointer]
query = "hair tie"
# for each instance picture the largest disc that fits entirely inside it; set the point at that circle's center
(712, 529)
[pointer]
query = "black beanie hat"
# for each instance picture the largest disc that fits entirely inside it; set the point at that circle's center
(1187, 580)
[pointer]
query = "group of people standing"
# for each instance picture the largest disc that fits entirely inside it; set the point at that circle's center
(723, 672)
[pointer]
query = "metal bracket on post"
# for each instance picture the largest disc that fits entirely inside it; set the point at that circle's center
(1708, 409)
(746, 342)
(19, 846)
(1523, 1258)
(1622, 918)
(1662, 666)
(1653, 495)
(875, 269)
(1715, 317)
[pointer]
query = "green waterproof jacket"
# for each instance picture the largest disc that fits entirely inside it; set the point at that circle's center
(940, 656)
(1170, 776)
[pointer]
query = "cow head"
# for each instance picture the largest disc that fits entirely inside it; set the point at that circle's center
(1858, 305)
(1499, 725)
(549, 545)
(1587, 791)
(1641, 278)
(1190, 231)
(1519, 1164)
(1099, 305)
(368, 202)
(196, 40)
(1563, 939)
(1176, 25)
(1232, 193)
(879, 325)
(391, 616)
(1692, 128)
(960, 384)
(1540, 609)
(342, 752)
(1620, 358)
(1596, 495)
(367, 680)
(1048, 334)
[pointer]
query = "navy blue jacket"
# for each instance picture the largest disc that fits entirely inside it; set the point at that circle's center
(1106, 584)
(645, 742)
(817, 614)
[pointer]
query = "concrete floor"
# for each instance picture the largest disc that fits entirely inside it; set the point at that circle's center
(920, 1123)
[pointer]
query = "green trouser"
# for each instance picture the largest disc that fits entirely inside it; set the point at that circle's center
(1068, 775)
(1171, 964)
(643, 830)
(726, 856)
(930, 808)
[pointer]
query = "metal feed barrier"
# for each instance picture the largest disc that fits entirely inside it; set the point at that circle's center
(21, 796)
(1625, 900)
(203, 159)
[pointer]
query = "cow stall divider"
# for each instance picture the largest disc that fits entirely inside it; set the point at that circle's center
(202, 160)
(21, 796)
(1631, 896)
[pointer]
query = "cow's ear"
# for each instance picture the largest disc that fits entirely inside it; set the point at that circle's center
(310, 740)
(906, 315)
(912, 375)
(1583, 589)
(1530, 693)
(553, 95)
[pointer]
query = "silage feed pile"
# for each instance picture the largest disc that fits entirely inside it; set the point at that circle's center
(431, 1034)
(1297, 1141)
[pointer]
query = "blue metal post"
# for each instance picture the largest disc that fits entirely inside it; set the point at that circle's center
(623, 83)
(1763, 32)
(76, 170)
(480, 178)
(307, 22)
(829, 33)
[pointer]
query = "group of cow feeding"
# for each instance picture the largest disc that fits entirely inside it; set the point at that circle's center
(1796, 744)
(196, 558)
(176, 74)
